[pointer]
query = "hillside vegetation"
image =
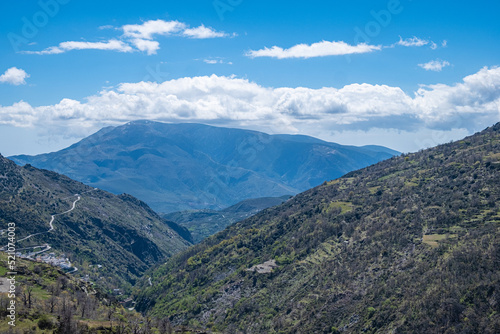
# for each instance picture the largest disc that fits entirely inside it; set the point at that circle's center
(409, 245)
(49, 301)
(112, 239)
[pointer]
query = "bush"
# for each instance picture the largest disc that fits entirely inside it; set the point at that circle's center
(45, 323)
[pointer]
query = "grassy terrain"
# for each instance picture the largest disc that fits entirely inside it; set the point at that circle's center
(434, 239)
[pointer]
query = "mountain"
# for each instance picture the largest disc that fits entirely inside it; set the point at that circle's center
(408, 245)
(204, 223)
(113, 239)
(175, 167)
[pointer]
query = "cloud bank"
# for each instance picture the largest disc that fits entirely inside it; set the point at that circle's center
(469, 105)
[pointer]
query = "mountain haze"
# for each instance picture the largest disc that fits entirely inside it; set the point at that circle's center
(175, 167)
(408, 245)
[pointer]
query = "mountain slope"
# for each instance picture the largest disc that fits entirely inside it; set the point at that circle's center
(50, 301)
(409, 245)
(204, 223)
(175, 167)
(91, 227)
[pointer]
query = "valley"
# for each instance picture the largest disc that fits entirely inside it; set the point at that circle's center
(250, 167)
(107, 239)
(203, 223)
(406, 244)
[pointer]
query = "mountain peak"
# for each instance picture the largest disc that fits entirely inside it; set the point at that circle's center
(175, 167)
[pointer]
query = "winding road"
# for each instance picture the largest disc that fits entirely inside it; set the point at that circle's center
(52, 220)
(51, 225)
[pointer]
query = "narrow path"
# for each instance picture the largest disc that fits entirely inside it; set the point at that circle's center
(52, 220)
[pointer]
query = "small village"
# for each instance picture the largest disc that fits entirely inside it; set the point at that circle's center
(51, 258)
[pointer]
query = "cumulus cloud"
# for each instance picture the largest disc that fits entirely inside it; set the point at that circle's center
(14, 76)
(469, 105)
(111, 45)
(137, 37)
(320, 49)
(435, 65)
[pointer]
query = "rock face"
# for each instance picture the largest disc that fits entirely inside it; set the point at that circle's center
(175, 167)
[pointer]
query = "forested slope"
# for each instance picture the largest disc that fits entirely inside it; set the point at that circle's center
(409, 245)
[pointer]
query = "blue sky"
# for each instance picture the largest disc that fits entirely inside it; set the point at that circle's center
(405, 74)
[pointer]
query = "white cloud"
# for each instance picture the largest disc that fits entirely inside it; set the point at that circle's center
(320, 49)
(137, 37)
(469, 105)
(146, 45)
(435, 65)
(211, 61)
(111, 45)
(14, 76)
(444, 43)
(150, 28)
(203, 32)
(414, 41)
(217, 60)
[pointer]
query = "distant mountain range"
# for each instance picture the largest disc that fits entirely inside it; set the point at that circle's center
(408, 245)
(113, 239)
(204, 223)
(175, 167)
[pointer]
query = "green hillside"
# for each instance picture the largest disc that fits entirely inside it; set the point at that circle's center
(409, 245)
(112, 239)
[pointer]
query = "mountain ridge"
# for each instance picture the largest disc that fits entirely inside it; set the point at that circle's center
(174, 167)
